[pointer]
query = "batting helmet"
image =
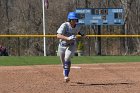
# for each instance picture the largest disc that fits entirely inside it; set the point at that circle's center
(72, 15)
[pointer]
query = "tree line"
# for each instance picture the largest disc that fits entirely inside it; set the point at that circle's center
(25, 17)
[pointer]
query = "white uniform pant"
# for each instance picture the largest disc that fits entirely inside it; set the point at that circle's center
(66, 52)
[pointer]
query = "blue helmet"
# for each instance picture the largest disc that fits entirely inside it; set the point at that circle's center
(72, 15)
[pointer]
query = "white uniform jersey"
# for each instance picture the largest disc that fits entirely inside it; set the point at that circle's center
(66, 30)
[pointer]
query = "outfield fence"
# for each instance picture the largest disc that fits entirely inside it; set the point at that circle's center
(32, 44)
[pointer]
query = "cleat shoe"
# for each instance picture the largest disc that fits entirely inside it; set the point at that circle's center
(66, 79)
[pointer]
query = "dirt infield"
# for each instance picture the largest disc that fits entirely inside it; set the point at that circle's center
(95, 78)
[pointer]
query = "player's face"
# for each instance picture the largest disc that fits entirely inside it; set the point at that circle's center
(74, 22)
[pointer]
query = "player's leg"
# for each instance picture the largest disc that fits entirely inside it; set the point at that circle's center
(67, 64)
(61, 52)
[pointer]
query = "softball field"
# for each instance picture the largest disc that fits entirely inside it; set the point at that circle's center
(85, 78)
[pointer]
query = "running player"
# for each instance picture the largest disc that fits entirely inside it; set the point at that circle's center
(67, 44)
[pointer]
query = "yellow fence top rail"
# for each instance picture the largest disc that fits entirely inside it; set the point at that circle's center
(77, 36)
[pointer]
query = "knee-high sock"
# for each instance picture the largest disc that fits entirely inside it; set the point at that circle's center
(67, 66)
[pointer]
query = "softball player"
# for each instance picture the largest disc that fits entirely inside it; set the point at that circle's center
(67, 44)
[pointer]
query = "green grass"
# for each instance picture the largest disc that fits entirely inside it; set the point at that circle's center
(106, 59)
(53, 60)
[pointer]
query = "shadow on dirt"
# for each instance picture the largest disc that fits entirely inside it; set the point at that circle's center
(102, 84)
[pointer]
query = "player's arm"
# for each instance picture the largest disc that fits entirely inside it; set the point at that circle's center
(81, 32)
(61, 31)
(60, 36)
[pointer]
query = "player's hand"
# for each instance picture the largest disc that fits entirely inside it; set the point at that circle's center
(72, 37)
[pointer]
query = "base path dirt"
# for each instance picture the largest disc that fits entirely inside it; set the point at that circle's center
(85, 78)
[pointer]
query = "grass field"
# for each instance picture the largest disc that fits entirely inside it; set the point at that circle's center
(52, 60)
(20, 74)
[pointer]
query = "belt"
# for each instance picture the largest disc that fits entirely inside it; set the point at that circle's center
(65, 44)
